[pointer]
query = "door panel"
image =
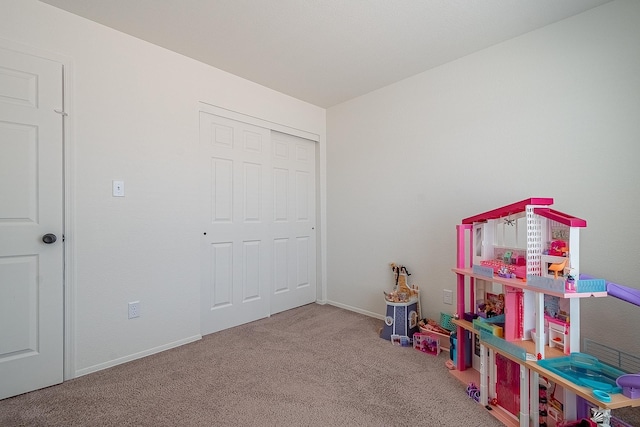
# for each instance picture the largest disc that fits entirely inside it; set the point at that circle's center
(221, 261)
(294, 235)
(31, 194)
(302, 258)
(20, 161)
(251, 277)
(19, 276)
(236, 194)
(280, 265)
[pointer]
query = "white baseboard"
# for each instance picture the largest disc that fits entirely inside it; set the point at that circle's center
(129, 358)
(356, 309)
(149, 352)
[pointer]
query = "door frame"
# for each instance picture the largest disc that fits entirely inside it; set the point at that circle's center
(321, 182)
(68, 226)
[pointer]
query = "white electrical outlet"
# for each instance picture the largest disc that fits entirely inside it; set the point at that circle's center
(134, 309)
(447, 296)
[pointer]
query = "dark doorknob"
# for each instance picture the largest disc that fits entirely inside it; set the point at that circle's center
(49, 238)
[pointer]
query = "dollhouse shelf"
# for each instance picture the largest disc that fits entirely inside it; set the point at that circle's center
(522, 284)
(528, 345)
(465, 324)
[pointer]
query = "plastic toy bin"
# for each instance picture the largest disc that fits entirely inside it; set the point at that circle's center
(453, 352)
(446, 321)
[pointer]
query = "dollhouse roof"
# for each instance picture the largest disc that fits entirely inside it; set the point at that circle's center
(512, 209)
(560, 217)
(521, 206)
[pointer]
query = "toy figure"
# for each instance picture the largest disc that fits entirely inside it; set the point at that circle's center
(498, 306)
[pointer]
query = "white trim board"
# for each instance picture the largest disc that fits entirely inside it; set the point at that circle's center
(356, 310)
(256, 121)
(140, 355)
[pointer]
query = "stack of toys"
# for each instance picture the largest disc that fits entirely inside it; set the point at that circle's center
(402, 292)
(403, 309)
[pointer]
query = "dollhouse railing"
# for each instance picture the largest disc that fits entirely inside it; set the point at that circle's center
(611, 356)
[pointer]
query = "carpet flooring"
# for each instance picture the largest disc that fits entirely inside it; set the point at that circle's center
(316, 365)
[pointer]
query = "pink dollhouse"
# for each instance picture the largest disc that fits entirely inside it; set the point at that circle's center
(518, 291)
(536, 250)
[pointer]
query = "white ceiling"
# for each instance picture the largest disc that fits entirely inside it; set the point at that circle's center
(325, 51)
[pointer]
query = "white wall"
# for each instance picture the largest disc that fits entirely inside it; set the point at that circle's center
(134, 117)
(553, 113)
(405, 164)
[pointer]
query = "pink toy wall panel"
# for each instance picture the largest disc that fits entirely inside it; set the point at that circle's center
(513, 321)
(508, 384)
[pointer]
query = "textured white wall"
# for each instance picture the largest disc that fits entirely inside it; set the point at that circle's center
(134, 117)
(553, 113)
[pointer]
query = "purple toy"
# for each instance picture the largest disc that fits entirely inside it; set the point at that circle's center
(624, 293)
(630, 385)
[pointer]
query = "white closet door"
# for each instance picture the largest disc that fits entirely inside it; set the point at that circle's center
(258, 209)
(237, 203)
(294, 215)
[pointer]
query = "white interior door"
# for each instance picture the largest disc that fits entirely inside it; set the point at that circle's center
(31, 206)
(294, 213)
(236, 196)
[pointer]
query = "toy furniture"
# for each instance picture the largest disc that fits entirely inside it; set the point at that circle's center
(558, 331)
(427, 343)
(558, 267)
(442, 334)
(528, 252)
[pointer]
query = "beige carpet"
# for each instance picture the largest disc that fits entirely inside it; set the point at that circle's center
(312, 366)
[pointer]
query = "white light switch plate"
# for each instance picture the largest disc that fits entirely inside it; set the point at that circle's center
(447, 296)
(118, 188)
